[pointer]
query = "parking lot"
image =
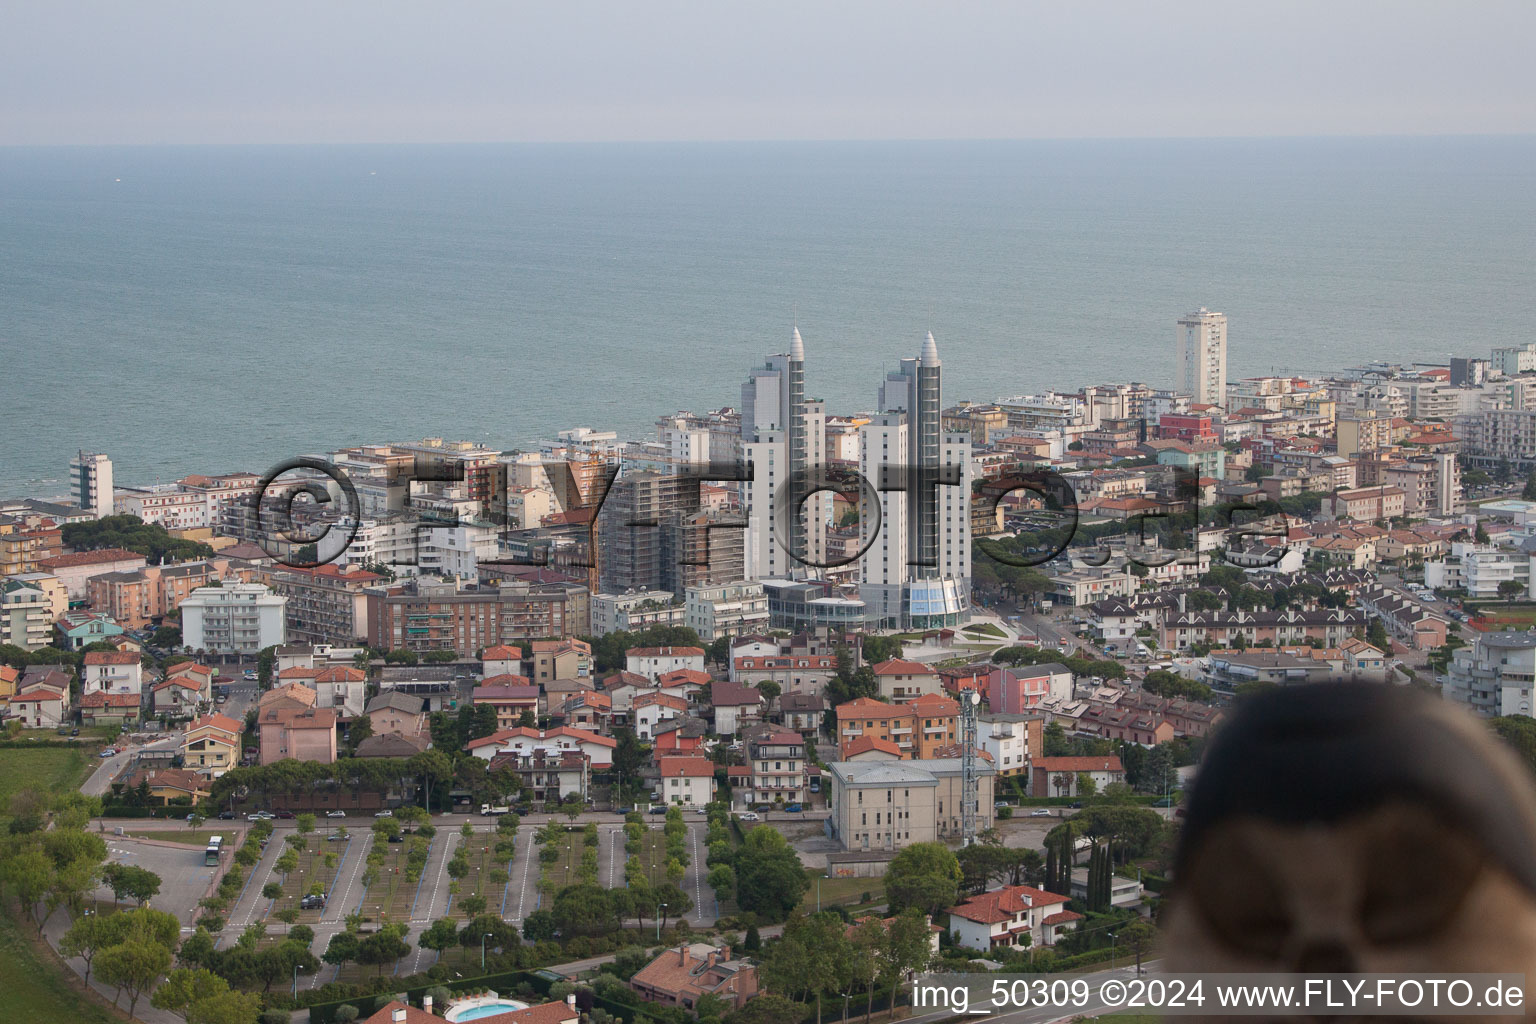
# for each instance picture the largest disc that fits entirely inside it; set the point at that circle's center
(383, 891)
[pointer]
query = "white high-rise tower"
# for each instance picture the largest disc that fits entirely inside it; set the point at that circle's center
(1201, 353)
(90, 482)
(916, 572)
(784, 439)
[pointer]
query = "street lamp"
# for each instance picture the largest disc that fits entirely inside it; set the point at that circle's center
(296, 980)
(659, 908)
(482, 951)
(1111, 950)
(845, 1007)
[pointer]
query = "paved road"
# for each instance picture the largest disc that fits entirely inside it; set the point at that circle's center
(110, 767)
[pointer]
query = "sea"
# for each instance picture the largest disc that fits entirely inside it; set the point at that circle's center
(220, 309)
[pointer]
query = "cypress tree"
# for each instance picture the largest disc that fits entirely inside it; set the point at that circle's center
(1050, 867)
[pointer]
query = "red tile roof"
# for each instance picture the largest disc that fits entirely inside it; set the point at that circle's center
(112, 658)
(1061, 917)
(864, 744)
(341, 674)
(1096, 763)
(900, 667)
(90, 558)
(544, 1013)
(216, 721)
(664, 652)
(681, 676)
(102, 699)
(999, 905)
(687, 767)
(501, 652)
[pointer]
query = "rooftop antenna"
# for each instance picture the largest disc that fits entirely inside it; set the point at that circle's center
(969, 777)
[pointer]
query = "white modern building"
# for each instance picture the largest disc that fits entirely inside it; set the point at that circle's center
(634, 611)
(783, 437)
(1201, 357)
(234, 617)
(1495, 675)
(915, 572)
(730, 609)
(90, 482)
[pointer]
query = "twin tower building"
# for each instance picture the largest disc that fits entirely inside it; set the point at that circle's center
(914, 536)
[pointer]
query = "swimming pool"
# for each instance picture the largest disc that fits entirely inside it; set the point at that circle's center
(480, 1006)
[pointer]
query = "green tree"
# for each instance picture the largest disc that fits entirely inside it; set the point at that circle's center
(767, 1008)
(907, 946)
(132, 967)
(769, 876)
(85, 938)
(1137, 938)
(441, 935)
(925, 876)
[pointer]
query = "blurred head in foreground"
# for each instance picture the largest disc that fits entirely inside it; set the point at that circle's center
(1355, 828)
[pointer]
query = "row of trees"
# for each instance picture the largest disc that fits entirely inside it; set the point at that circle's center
(820, 956)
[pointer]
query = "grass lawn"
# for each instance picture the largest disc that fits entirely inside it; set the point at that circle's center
(983, 628)
(38, 986)
(47, 769)
(198, 837)
(843, 892)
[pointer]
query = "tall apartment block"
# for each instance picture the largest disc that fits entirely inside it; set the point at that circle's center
(784, 441)
(1202, 357)
(90, 482)
(916, 572)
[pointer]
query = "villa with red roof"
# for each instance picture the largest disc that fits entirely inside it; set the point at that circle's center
(524, 742)
(654, 662)
(687, 781)
(1057, 776)
(901, 681)
(112, 672)
(1003, 917)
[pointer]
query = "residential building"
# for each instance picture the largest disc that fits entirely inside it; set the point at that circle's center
(651, 708)
(52, 587)
(635, 611)
(1495, 675)
(1013, 917)
(102, 708)
(918, 729)
(778, 770)
(78, 567)
(512, 696)
(682, 976)
(1058, 776)
(799, 711)
(401, 714)
(163, 785)
(794, 673)
(304, 734)
(25, 613)
(112, 672)
(423, 615)
(178, 696)
(1366, 504)
(1200, 357)
(1012, 741)
(887, 805)
(327, 604)
(234, 618)
(569, 658)
(343, 688)
(653, 662)
(90, 482)
(915, 572)
(524, 742)
(42, 705)
(901, 681)
(688, 782)
(734, 706)
(210, 745)
(501, 660)
(1014, 691)
(726, 609)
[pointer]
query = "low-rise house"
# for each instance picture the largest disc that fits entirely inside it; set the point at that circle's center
(399, 713)
(687, 781)
(795, 673)
(1058, 776)
(1011, 741)
(502, 660)
(1123, 892)
(687, 683)
(1004, 918)
(79, 629)
(177, 695)
(287, 695)
(163, 784)
(585, 710)
(343, 688)
(682, 976)
(652, 662)
(102, 708)
(210, 745)
(510, 695)
(524, 742)
(679, 736)
(112, 672)
(621, 688)
(200, 676)
(548, 776)
(654, 707)
(734, 706)
(41, 705)
(561, 659)
(304, 734)
(901, 681)
(801, 712)
(392, 744)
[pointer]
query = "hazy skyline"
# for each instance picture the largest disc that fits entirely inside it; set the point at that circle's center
(82, 72)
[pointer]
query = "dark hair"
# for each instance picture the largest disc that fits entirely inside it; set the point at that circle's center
(1326, 752)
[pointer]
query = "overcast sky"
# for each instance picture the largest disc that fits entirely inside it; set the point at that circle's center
(75, 71)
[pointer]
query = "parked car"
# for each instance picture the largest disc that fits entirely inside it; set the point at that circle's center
(260, 816)
(335, 814)
(336, 837)
(658, 808)
(312, 903)
(226, 815)
(109, 752)
(749, 816)
(1164, 801)
(249, 676)
(385, 814)
(286, 814)
(815, 785)
(1039, 812)
(397, 839)
(793, 808)
(1002, 803)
